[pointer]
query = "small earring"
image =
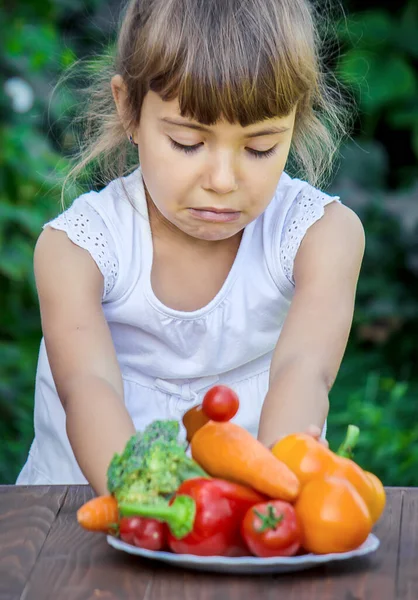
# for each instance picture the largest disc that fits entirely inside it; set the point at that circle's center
(131, 139)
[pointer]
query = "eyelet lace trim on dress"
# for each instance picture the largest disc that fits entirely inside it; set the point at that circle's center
(304, 212)
(86, 229)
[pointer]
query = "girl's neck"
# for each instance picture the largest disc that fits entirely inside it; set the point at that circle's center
(187, 273)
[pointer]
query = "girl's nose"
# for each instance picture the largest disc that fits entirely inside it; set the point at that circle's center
(221, 177)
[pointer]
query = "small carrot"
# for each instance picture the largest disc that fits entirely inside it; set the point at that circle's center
(228, 451)
(98, 514)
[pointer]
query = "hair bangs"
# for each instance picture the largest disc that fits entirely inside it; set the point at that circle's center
(225, 69)
(237, 100)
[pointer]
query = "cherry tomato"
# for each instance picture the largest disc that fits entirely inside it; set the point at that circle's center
(220, 403)
(272, 529)
(143, 532)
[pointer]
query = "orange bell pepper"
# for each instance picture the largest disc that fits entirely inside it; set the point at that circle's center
(332, 515)
(309, 460)
(304, 455)
(379, 503)
(349, 470)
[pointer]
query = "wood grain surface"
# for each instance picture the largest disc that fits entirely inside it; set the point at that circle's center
(45, 555)
(26, 517)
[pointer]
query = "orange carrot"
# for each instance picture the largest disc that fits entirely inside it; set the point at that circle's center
(228, 451)
(98, 514)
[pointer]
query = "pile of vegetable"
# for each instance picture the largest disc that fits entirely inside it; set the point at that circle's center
(235, 497)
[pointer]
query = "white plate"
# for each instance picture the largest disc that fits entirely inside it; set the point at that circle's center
(246, 564)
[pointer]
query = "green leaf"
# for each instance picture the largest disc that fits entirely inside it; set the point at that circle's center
(367, 29)
(404, 114)
(405, 34)
(378, 80)
(415, 139)
(16, 260)
(68, 57)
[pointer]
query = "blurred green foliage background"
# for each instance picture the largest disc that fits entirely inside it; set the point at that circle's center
(377, 387)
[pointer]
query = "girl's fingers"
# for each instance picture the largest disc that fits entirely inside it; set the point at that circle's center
(316, 432)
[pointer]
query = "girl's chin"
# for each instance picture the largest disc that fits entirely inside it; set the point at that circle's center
(213, 233)
(201, 230)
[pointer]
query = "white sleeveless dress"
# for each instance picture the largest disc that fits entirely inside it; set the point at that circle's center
(169, 358)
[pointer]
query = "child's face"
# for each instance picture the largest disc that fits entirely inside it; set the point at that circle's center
(209, 182)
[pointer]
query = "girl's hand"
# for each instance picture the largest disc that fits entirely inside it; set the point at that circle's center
(315, 432)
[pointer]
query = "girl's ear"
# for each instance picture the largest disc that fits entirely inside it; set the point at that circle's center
(120, 97)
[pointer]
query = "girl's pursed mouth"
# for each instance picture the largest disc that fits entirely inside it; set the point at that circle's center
(216, 215)
(217, 210)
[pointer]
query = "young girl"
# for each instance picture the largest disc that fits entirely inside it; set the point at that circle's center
(208, 263)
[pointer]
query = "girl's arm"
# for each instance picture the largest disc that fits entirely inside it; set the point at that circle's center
(314, 336)
(81, 354)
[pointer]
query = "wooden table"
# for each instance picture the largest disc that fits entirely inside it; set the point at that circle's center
(45, 555)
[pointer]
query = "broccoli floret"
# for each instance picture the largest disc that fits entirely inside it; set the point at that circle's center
(152, 465)
(161, 430)
(161, 465)
(126, 465)
(168, 465)
(138, 491)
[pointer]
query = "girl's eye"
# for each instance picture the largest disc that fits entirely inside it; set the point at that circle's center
(195, 147)
(183, 148)
(262, 153)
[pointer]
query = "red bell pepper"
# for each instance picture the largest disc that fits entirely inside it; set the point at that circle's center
(204, 516)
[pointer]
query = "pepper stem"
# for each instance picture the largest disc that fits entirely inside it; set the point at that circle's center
(179, 515)
(351, 438)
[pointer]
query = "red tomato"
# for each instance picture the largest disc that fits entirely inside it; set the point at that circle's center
(220, 403)
(271, 529)
(142, 532)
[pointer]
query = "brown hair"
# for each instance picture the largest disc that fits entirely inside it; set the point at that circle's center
(242, 60)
